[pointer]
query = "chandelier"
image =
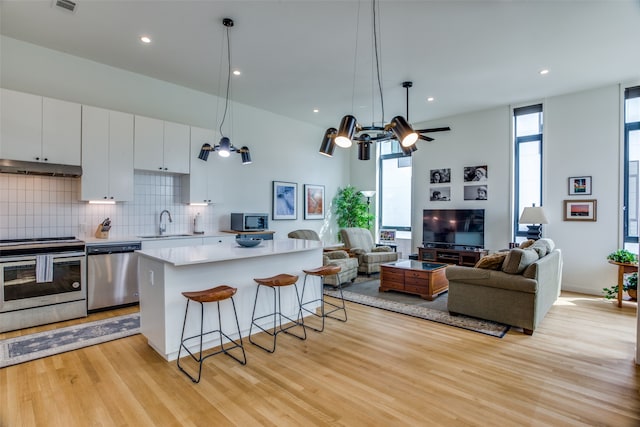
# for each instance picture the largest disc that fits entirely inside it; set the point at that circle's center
(350, 131)
(224, 147)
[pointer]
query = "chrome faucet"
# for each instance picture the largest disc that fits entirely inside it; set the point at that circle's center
(163, 227)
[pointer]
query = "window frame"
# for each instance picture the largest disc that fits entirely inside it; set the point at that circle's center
(396, 153)
(517, 140)
(629, 93)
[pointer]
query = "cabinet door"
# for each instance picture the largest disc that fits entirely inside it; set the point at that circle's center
(95, 158)
(176, 147)
(61, 131)
(121, 180)
(148, 144)
(196, 184)
(20, 126)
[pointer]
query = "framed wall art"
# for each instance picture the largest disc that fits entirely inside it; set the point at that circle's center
(440, 194)
(580, 210)
(475, 192)
(437, 176)
(285, 196)
(313, 201)
(579, 185)
(476, 173)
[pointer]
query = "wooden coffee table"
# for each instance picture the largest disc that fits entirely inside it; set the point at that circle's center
(426, 279)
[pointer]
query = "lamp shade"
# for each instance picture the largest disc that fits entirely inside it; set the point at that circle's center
(403, 131)
(224, 148)
(328, 146)
(364, 147)
(204, 151)
(368, 193)
(345, 131)
(245, 155)
(533, 215)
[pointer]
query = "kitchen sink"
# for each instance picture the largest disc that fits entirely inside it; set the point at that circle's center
(162, 236)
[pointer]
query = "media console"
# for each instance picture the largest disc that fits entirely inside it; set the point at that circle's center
(452, 255)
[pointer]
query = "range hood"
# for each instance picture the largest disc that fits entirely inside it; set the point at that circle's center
(39, 168)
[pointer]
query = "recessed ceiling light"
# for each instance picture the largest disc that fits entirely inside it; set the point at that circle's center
(543, 72)
(430, 99)
(315, 110)
(236, 72)
(145, 39)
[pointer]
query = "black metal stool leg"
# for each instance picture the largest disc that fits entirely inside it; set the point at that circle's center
(342, 307)
(322, 314)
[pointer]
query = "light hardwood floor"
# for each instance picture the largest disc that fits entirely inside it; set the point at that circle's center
(379, 368)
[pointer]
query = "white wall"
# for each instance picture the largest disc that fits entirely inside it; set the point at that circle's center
(282, 149)
(582, 138)
(479, 138)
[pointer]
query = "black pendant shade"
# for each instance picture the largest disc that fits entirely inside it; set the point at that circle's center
(346, 131)
(328, 146)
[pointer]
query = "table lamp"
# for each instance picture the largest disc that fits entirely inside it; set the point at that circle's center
(533, 215)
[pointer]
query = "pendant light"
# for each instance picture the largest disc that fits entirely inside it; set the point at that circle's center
(224, 146)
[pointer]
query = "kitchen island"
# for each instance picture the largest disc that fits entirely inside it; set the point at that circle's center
(163, 274)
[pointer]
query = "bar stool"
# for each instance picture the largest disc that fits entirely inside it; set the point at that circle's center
(217, 294)
(275, 283)
(322, 272)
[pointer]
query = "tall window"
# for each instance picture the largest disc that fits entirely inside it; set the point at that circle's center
(395, 189)
(528, 162)
(631, 161)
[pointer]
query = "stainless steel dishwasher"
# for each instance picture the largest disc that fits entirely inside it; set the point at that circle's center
(112, 275)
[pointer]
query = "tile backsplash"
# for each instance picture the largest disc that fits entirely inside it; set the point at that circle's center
(42, 206)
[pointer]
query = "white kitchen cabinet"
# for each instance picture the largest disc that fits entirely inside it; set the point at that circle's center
(107, 155)
(161, 146)
(195, 186)
(39, 129)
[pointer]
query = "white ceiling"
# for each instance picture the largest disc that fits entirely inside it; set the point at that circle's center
(299, 55)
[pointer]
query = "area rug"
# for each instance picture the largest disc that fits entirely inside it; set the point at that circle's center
(42, 344)
(366, 293)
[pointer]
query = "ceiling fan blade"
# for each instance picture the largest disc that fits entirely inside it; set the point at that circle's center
(443, 129)
(425, 138)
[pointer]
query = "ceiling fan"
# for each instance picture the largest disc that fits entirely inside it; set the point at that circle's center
(407, 85)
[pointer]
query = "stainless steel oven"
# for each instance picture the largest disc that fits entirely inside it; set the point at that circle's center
(41, 281)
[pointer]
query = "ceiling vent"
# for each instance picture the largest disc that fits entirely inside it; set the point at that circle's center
(68, 5)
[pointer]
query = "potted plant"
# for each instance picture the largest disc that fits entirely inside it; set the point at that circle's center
(351, 210)
(630, 287)
(623, 256)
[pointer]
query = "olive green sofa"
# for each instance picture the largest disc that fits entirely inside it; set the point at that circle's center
(518, 291)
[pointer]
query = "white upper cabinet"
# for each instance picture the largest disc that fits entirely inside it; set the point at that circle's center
(38, 129)
(195, 187)
(107, 155)
(161, 146)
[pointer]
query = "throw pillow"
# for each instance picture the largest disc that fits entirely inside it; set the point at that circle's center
(492, 262)
(519, 259)
(542, 247)
(526, 244)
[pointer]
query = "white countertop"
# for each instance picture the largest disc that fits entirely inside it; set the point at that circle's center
(90, 240)
(189, 255)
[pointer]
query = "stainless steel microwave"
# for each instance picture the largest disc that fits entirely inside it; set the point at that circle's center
(249, 221)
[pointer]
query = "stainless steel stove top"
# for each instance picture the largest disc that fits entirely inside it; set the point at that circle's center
(34, 246)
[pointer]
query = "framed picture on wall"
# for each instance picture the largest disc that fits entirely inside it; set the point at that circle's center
(579, 185)
(580, 210)
(475, 192)
(439, 194)
(285, 196)
(437, 176)
(476, 173)
(313, 201)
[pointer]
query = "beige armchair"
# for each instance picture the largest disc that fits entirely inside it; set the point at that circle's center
(348, 265)
(360, 243)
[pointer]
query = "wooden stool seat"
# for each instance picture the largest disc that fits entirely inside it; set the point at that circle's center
(325, 270)
(278, 280)
(218, 293)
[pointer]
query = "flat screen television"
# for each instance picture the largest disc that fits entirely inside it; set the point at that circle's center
(453, 228)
